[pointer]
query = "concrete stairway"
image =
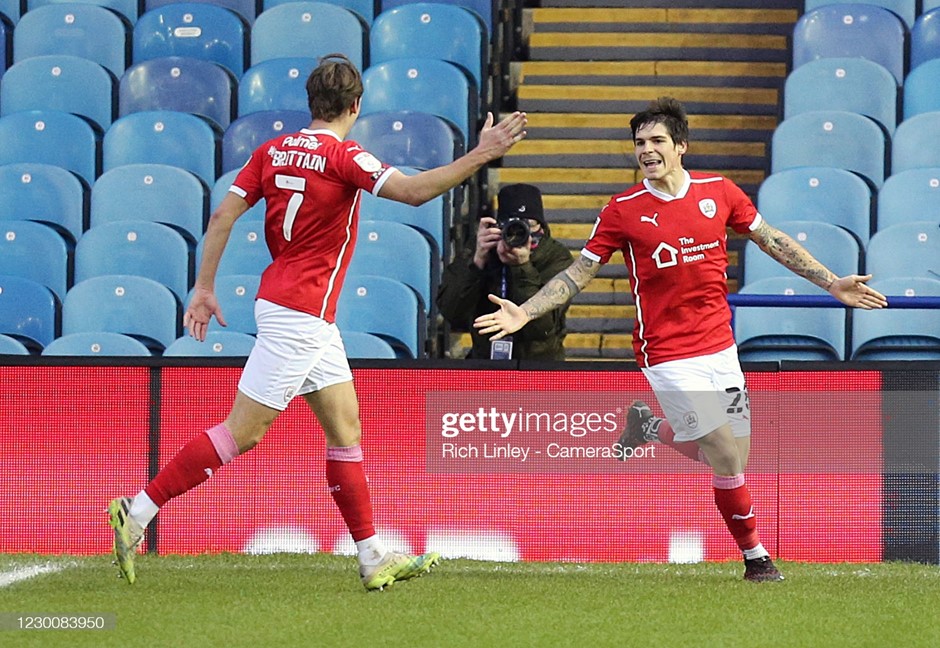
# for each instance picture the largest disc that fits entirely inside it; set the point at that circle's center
(590, 68)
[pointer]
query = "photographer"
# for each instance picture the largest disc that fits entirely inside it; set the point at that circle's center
(514, 256)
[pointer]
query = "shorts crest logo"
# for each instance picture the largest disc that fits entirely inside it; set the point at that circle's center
(691, 420)
(289, 394)
(708, 207)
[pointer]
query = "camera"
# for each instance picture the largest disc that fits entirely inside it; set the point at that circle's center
(515, 231)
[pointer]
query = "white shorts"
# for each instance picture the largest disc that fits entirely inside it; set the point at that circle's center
(295, 353)
(699, 395)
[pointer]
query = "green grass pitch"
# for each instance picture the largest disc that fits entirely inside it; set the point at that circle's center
(317, 600)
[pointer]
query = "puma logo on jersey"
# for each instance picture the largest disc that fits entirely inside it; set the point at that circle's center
(650, 219)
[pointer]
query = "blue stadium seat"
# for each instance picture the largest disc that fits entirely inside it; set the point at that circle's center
(432, 30)
(179, 83)
(276, 84)
(218, 344)
(12, 9)
(365, 9)
(84, 30)
(162, 137)
(831, 138)
(28, 312)
(414, 84)
(311, 29)
(903, 9)
(767, 333)
(364, 345)
(408, 138)
(236, 295)
(38, 136)
(402, 253)
(925, 38)
(126, 8)
(44, 193)
(386, 308)
(922, 89)
(247, 133)
(848, 31)
(851, 84)
(247, 9)
(905, 250)
(912, 195)
(823, 194)
(139, 248)
(97, 344)
(836, 248)
(193, 30)
(36, 252)
(151, 192)
(221, 187)
(132, 305)
(913, 147)
(12, 346)
(432, 217)
(889, 334)
(60, 82)
(246, 252)
(487, 10)
(6, 35)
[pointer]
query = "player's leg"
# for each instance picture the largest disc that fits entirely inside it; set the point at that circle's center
(644, 427)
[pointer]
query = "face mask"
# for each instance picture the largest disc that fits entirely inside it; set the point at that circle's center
(536, 238)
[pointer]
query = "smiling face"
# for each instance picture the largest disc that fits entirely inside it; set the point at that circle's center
(660, 158)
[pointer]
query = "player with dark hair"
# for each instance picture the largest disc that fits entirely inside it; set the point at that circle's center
(672, 230)
(311, 181)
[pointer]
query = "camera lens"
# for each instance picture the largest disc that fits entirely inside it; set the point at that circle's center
(516, 232)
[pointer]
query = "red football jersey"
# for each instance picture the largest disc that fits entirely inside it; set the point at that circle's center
(310, 181)
(675, 249)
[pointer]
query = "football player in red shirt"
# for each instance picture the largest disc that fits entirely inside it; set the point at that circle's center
(672, 231)
(311, 181)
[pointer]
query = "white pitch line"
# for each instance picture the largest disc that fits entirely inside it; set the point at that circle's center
(18, 574)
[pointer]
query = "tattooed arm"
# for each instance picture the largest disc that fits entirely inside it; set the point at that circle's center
(851, 290)
(558, 291)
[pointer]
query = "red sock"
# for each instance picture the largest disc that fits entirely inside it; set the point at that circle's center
(688, 448)
(193, 464)
(348, 487)
(734, 501)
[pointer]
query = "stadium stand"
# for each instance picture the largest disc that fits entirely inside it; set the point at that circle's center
(386, 308)
(37, 252)
(925, 38)
(831, 138)
(823, 194)
(218, 344)
(848, 31)
(195, 30)
(12, 10)
(247, 9)
(908, 150)
(906, 10)
(179, 83)
(128, 9)
(487, 10)
(912, 195)
(12, 346)
(888, 334)
(275, 84)
(37, 136)
(776, 334)
(221, 187)
(140, 248)
(408, 138)
(29, 312)
(236, 295)
(60, 82)
(247, 133)
(132, 305)
(157, 193)
(96, 343)
(44, 193)
(909, 249)
(162, 137)
(79, 29)
(246, 252)
(362, 345)
(850, 84)
(310, 29)
(431, 218)
(834, 246)
(365, 9)
(922, 89)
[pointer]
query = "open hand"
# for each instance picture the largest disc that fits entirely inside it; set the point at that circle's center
(853, 290)
(508, 319)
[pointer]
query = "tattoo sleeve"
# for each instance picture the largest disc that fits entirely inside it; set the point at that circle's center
(562, 287)
(783, 249)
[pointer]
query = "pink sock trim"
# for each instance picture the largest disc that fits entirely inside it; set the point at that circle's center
(727, 483)
(223, 442)
(351, 454)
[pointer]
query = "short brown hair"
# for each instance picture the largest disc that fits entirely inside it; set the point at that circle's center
(666, 111)
(333, 86)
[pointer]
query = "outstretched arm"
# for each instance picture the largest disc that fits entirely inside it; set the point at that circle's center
(559, 290)
(850, 290)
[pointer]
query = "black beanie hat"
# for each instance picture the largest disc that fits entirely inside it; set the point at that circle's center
(521, 201)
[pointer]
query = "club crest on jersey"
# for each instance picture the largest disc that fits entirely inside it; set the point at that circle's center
(708, 207)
